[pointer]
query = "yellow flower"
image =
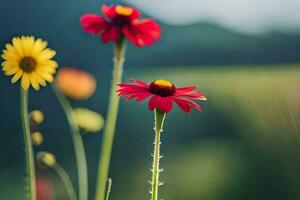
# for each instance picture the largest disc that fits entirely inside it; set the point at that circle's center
(88, 120)
(30, 59)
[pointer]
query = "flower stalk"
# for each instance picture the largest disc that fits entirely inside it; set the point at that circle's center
(159, 121)
(28, 146)
(111, 120)
(65, 180)
(81, 162)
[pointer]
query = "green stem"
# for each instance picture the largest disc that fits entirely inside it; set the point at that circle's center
(65, 180)
(108, 189)
(111, 120)
(159, 121)
(81, 162)
(28, 146)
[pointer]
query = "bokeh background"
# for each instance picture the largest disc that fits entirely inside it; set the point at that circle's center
(243, 54)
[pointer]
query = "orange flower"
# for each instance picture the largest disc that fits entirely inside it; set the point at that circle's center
(75, 83)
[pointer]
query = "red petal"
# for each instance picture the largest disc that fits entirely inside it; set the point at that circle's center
(186, 89)
(140, 96)
(166, 104)
(154, 101)
(142, 32)
(135, 13)
(149, 26)
(112, 33)
(93, 23)
(186, 104)
(143, 96)
(185, 107)
(140, 83)
(194, 95)
(109, 11)
(133, 91)
(126, 91)
(132, 87)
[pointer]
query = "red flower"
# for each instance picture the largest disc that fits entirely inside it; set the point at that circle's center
(44, 189)
(163, 93)
(121, 21)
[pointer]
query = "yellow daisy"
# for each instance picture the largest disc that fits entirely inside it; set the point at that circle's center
(30, 60)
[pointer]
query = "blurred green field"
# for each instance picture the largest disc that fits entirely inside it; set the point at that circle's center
(244, 146)
(262, 105)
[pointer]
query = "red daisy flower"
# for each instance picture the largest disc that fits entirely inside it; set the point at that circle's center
(121, 21)
(163, 93)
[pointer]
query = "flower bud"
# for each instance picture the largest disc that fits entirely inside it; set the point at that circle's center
(88, 120)
(36, 116)
(37, 138)
(76, 84)
(46, 159)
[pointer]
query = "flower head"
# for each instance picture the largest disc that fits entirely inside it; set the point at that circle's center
(30, 59)
(88, 120)
(163, 93)
(75, 83)
(121, 21)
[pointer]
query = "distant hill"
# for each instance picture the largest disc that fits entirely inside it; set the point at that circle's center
(203, 43)
(206, 43)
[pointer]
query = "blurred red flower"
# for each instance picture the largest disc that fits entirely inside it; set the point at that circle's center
(163, 93)
(121, 21)
(44, 189)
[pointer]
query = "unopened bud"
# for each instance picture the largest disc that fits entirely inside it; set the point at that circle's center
(46, 159)
(36, 116)
(37, 138)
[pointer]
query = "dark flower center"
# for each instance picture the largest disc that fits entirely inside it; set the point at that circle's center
(162, 88)
(121, 21)
(122, 18)
(28, 64)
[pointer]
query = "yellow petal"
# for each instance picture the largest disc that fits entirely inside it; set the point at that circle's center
(11, 50)
(49, 63)
(25, 82)
(46, 69)
(9, 55)
(47, 76)
(17, 76)
(27, 44)
(38, 47)
(11, 71)
(38, 78)
(46, 55)
(10, 63)
(34, 83)
(18, 46)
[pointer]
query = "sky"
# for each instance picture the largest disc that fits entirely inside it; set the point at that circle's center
(243, 15)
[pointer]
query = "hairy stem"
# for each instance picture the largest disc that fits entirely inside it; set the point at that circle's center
(65, 180)
(28, 146)
(80, 156)
(111, 120)
(108, 189)
(159, 121)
